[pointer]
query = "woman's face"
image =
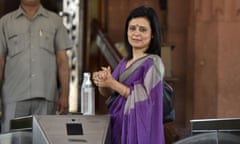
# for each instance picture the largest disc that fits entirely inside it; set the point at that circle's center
(139, 33)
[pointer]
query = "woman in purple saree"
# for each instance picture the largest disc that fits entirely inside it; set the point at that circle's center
(136, 108)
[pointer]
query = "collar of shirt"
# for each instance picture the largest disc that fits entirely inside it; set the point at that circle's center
(41, 11)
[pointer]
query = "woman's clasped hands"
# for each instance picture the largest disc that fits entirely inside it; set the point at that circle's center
(103, 77)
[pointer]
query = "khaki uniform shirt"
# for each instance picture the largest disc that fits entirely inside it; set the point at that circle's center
(29, 46)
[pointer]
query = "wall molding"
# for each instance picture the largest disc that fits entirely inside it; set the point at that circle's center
(217, 10)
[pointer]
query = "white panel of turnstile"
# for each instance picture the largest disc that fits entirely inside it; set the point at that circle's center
(51, 129)
(18, 137)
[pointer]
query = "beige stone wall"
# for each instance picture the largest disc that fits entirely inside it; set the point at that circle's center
(216, 79)
(229, 60)
(205, 59)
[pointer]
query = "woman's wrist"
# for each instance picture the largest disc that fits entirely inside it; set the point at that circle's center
(120, 88)
(126, 91)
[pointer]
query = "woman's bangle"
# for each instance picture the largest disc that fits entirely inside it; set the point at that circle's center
(125, 91)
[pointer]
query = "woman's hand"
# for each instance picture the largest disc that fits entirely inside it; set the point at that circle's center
(103, 78)
(106, 83)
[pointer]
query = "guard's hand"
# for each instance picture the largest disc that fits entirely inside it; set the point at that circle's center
(62, 107)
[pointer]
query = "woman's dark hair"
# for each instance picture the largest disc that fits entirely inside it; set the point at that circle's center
(150, 14)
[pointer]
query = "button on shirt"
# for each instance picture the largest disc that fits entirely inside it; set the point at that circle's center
(30, 46)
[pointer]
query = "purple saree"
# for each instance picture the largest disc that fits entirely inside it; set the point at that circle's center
(138, 119)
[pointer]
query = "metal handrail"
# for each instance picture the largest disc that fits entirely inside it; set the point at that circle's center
(107, 48)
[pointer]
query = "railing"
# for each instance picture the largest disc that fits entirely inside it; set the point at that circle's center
(108, 50)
